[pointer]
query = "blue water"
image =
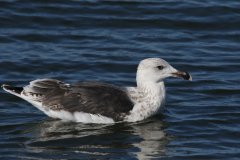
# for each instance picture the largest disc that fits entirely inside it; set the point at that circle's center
(104, 41)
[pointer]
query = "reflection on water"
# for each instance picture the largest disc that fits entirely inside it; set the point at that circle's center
(145, 139)
(154, 139)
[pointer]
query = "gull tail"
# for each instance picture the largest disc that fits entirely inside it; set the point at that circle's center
(13, 90)
(32, 98)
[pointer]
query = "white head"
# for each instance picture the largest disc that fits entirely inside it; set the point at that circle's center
(154, 70)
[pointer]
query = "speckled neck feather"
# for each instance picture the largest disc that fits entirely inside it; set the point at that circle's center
(149, 99)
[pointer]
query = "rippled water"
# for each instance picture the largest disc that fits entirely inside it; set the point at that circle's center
(104, 41)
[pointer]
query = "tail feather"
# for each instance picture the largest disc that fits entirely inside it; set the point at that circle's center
(35, 90)
(32, 98)
(13, 90)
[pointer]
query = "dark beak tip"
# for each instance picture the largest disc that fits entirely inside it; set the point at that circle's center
(190, 77)
(187, 76)
(183, 75)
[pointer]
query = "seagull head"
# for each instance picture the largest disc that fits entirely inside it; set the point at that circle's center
(157, 70)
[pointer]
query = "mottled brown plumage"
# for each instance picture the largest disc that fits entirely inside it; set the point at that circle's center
(88, 97)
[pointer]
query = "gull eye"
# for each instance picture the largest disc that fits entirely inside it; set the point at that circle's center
(160, 67)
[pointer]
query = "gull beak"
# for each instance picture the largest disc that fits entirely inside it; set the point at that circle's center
(183, 75)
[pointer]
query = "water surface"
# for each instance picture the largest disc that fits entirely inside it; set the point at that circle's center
(104, 41)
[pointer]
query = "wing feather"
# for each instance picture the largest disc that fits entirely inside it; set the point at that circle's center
(89, 97)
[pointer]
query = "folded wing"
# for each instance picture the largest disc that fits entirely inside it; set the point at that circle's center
(88, 97)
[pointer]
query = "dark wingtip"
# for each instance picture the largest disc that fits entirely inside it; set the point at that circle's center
(12, 89)
(5, 86)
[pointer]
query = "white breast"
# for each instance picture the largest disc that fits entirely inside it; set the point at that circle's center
(149, 100)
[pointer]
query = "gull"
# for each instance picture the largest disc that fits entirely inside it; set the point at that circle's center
(98, 102)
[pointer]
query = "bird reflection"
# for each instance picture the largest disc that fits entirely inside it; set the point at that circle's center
(154, 140)
(145, 139)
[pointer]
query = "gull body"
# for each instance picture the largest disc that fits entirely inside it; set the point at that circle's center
(97, 102)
